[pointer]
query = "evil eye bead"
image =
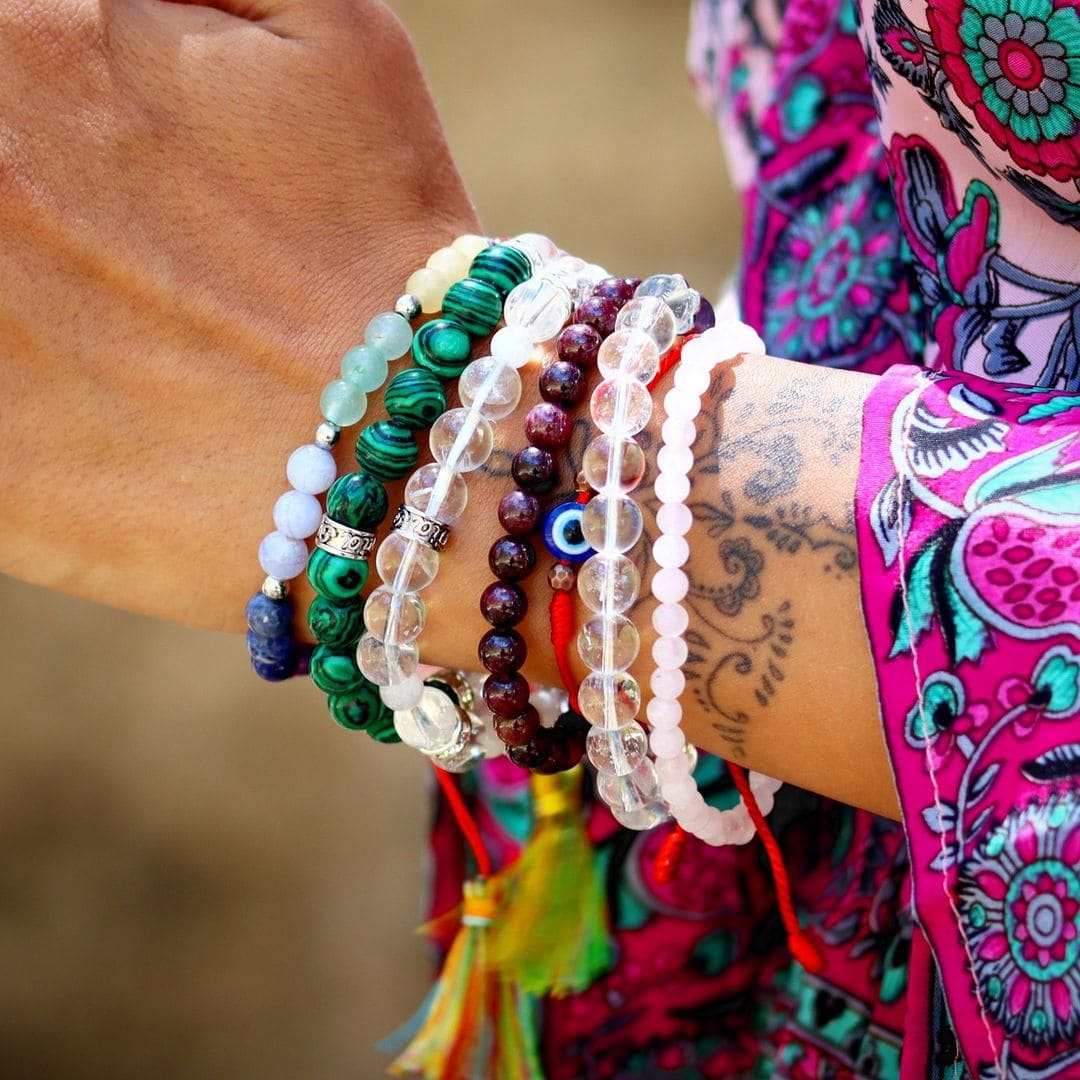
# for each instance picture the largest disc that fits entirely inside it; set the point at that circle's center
(562, 533)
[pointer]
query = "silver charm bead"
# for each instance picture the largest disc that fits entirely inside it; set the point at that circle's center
(407, 305)
(342, 540)
(274, 588)
(413, 525)
(458, 682)
(327, 435)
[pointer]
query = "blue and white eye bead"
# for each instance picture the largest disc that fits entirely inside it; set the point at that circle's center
(562, 533)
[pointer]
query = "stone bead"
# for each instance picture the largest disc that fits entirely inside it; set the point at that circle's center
(535, 470)
(561, 577)
(274, 670)
(359, 709)
(270, 618)
(615, 288)
(676, 519)
(598, 312)
(338, 579)
(518, 729)
(403, 695)
(617, 751)
(511, 558)
(390, 334)
(334, 625)
(415, 398)
(678, 459)
(670, 652)
(534, 753)
(381, 727)
(335, 672)
(539, 306)
(705, 318)
(512, 346)
(474, 305)
(385, 664)
(579, 344)
(271, 650)
(608, 643)
(441, 347)
(661, 712)
(672, 488)
(670, 620)
(387, 450)
(632, 352)
(636, 406)
(449, 262)
(365, 368)
(495, 387)
(311, 469)
(609, 582)
(429, 287)
(297, 514)
(563, 383)
(670, 551)
(469, 245)
(667, 683)
(670, 585)
(548, 426)
(342, 403)
(501, 266)
(406, 564)
(539, 248)
(502, 651)
(282, 556)
(506, 695)
(519, 513)
(596, 460)
(503, 603)
(609, 699)
(652, 315)
(431, 726)
(436, 493)
(357, 500)
(461, 440)
(676, 294)
(394, 618)
(627, 523)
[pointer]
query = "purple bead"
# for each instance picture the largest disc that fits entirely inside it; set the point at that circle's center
(547, 425)
(519, 513)
(519, 729)
(705, 319)
(269, 618)
(579, 344)
(506, 695)
(633, 283)
(600, 313)
(534, 752)
(511, 558)
(502, 651)
(303, 657)
(563, 383)
(535, 469)
(615, 288)
(503, 604)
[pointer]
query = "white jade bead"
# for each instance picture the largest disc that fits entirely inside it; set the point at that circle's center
(311, 469)
(403, 695)
(297, 514)
(282, 556)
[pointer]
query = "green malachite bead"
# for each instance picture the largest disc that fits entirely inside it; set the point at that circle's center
(383, 730)
(441, 347)
(501, 266)
(338, 579)
(358, 500)
(361, 710)
(474, 304)
(387, 449)
(335, 672)
(415, 398)
(334, 625)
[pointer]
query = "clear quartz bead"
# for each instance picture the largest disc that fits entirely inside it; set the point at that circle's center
(609, 699)
(617, 751)
(461, 440)
(449, 497)
(625, 523)
(608, 643)
(635, 800)
(633, 352)
(621, 406)
(384, 664)
(392, 617)
(608, 583)
(466, 754)
(404, 694)
(539, 306)
(651, 315)
(674, 291)
(540, 249)
(598, 458)
(433, 725)
(416, 563)
(512, 345)
(495, 383)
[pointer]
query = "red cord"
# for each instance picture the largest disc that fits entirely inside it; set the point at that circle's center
(666, 863)
(466, 823)
(802, 945)
(670, 359)
(561, 616)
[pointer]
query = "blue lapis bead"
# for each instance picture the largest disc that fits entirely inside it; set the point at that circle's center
(274, 670)
(270, 649)
(269, 618)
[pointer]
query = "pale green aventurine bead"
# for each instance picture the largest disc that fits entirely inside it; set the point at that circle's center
(342, 403)
(365, 367)
(390, 334)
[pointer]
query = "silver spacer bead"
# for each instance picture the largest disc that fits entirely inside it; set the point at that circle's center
(342, 540)
(274, 588)
(407, 305)
(327, 435)
(459, 683)
(413, 525)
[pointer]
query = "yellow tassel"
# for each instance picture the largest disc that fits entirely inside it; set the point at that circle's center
(553, 936)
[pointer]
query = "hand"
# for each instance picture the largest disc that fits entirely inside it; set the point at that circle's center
(200, 210)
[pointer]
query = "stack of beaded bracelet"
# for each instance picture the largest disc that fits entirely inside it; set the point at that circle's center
(548, 427)
(669, 587)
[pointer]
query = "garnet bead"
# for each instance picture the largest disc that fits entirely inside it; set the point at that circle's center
(518, 730)
(614, 288)
(548, 425)
(502, 651)
(519, 513)
(511, 558)
(600, 313)
(535, 469)
(506, 695)
(532, 753)
(503, 604)
(579, 344)
(563, 383)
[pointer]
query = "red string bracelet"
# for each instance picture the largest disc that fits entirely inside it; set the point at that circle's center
(465, 821)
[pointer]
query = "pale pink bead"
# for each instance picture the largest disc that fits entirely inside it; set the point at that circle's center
(675, 519)
(743, 831)
(679, 791)
(716, 833)
(674, 458)
(671, 551)
(670, 487)
(670, 768)
(667, 742)
(682, 403)
(670, 619)
(695, 814)
(765, 801)
(663, 713)
(694, 378)
(667, 683)
(760, 784)
(689, 803)
(675, 431)
(669, 652)
(670, 585)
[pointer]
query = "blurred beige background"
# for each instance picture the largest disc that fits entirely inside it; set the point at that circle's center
(201, 875)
